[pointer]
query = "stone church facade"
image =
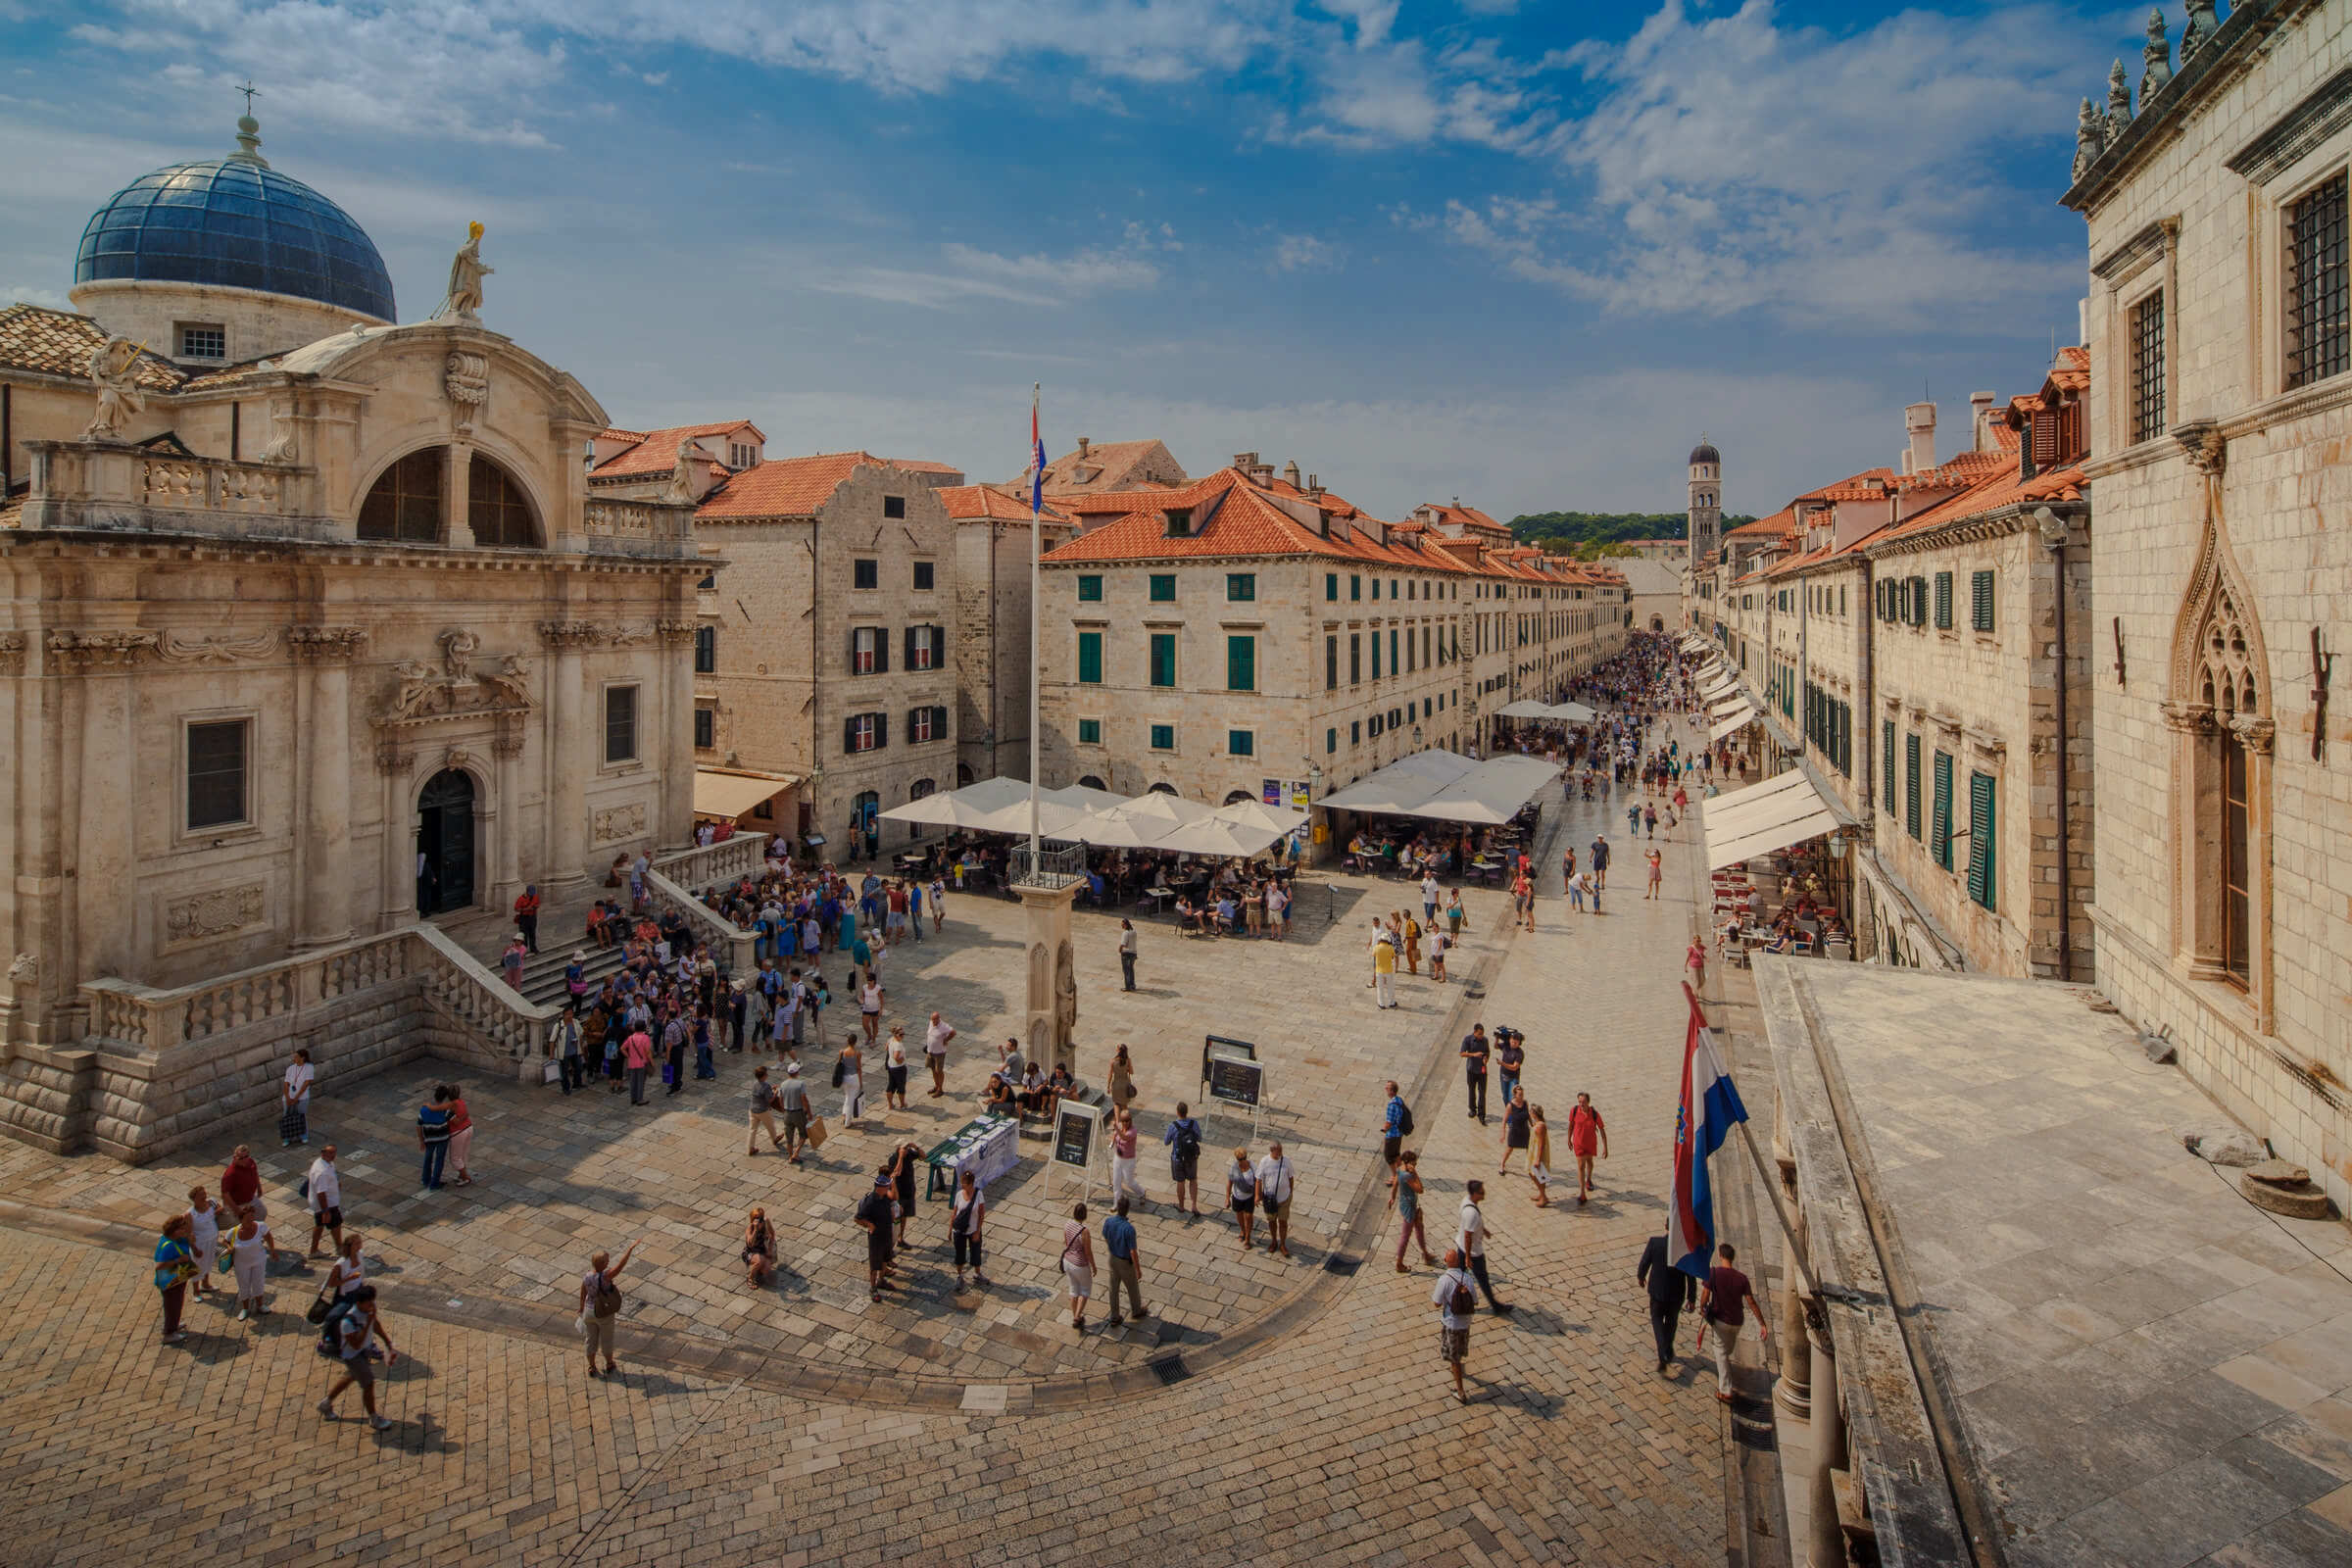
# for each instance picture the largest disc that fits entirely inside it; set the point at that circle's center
(2220, 415)
(300, 646)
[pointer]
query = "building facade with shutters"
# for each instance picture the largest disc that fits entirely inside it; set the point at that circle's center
(2221, 343)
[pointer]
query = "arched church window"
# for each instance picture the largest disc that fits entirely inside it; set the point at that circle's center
(497, 509)
(403, 506)
(2228, 685)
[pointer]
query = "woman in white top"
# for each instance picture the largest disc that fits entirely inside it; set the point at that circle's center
(894, 1091)
(939, 905)
(346, 1273)
(294, 1112)
(850, 1069)
(250, 1253)
(869, 1005)
(204, 1224)
(1078, 1264)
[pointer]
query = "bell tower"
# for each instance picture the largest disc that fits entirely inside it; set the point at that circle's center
(1706, 504)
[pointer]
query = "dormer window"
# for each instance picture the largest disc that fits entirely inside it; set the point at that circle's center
(1180, 522)
(741, 456)
(202, 340)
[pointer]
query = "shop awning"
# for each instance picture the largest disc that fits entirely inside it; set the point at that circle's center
(731, 795)
(1558, 713)
(1783, 809)
(1738, 721)
(1448, 787)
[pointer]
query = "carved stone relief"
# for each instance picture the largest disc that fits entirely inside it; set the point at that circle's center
(203, 915)
(616, 822)
(465, 378)
(80, 652)
(173, 649)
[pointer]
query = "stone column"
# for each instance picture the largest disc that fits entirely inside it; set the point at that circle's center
(393, 759)
(504, 749)
(674, 809)
(1792, 1394)
(104, 920)
(570, 755)
(1826, 1454)
(456, 481)
(1047, 1035)
(326, 887)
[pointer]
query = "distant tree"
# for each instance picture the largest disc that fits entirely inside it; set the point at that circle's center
(1562, 531)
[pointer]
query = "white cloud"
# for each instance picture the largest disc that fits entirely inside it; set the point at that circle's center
(1734, 163)
(25, 294)
(1303, 253)
(972, 274)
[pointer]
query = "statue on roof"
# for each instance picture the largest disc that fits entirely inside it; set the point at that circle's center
(2091, 139)
(2118, 103)
(2159, 58)
(681, 473)
(113, 367)
(463, 302)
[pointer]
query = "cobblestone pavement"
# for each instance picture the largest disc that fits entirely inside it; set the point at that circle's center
(1310, 1419)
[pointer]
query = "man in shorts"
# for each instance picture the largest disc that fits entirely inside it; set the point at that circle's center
(763, 1111)
(794, 1098)
(354, 1325)
(327, 1201)
(935, 1052)
(1454, 1297)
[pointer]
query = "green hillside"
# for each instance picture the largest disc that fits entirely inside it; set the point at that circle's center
(1591, 533)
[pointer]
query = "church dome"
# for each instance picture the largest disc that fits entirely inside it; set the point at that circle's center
(235, 222)
(1703, 453)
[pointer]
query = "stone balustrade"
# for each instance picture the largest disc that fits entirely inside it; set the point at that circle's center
(746, 854)
(104, 485)
(707, 924)
(636, 527)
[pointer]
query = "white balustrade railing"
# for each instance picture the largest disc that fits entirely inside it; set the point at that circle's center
(706, 865)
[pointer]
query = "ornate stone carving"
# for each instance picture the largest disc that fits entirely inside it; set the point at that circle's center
(115, 368)
(457, 647)
(24, 972)
(507, 743)
(630, 636)
(511, 682)
(2254, 733)
(571, 633)
(2207, 448)
(12, 653)
(173, 649)
(80, 652)
(464, 301)
(2118, 103)
(320, 645)
(615, 823)
(2158, 58)
(456, 757)
(2188, 718)
(674, 633)
(393, 758)
(466, 378)
(2091, 139)
(281, 446)
(2197, 28)
(1065, 994)
(682, 473)
(216, 913)
(419, 692)
(416, 685)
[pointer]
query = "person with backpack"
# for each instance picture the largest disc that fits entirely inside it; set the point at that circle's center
(1397, 1125)
(764, 1112)
(600, 1304)
(1455, 1299)
(1182, 1137)
(343, 1339)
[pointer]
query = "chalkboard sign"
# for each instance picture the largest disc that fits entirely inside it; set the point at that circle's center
(1234, 1080)
(1074, 1136)
(1220, 1046)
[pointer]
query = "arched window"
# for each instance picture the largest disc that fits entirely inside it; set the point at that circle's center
(2228, 688)
(1093, 782)
(403, 506)
(1164, 789)
(2222, 778)
(497, 510)
(1236, 797)
(964, 775)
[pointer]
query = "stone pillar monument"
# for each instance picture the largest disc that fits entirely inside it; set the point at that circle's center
(326, 653)
(1052, 974)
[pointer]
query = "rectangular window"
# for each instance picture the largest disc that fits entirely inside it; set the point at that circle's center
(621, 723)
(1355, 587)
(1164, 659)
(1393, 666)
(1376, 655)
(865, 574)
(1241, 664)
(1887, 761)
(1355, 658)
(1331, 587)
(1378, 722)
(1980, 839)
(1356, 733)
(1980, 600)
(1919, 600)
(925, 575)
(705, 650)
(1240, 586)
(1376, 590)
(2146, 327)
(1163, 587)
(1090, 732)
(2318, 338)
(217, 759)
(920, 725)
(1941, 824)
(1331, 664)
(869, 651)
(925, 646)
(1163, 737)
(706, 728)
(864, 733)
(1241, 743)
(1944, 600)
(893, 505)
(1911, 784)
(201, 342)
(1180, 522)
(1089, 658)
(1331, 741)
(1090, 588)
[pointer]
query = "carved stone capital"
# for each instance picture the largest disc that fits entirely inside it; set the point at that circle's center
(507, 743)
(2187, 717)
(571, 633)
(393, 758)
(12, 653)
(2207, 448)
(324, 645)
(215, 648)
(674, 633)
(80, 653)
(2254, 733)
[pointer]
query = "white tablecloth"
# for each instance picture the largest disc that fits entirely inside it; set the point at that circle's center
(988, 1154)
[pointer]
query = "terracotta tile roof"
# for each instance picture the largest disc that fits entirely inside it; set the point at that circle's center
(1995, 491)
(2071, 372)
(657, 451)
(1243, 519)
(33, 337)
(920, 465)
(971, 503)
(1103, 462)
(1458, 515)
(225, 375)
(1780, 523)
(784, 487)
(1964, 469)
(1851, 487)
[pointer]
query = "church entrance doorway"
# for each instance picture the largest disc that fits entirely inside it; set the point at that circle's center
(445, 843)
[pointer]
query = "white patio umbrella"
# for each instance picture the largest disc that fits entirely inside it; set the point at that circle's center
(1160, 805)
(1256, 814)
(1119, 828)
(963, 808)
(1213, 835)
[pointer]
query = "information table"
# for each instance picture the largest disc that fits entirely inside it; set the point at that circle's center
(987, 1148)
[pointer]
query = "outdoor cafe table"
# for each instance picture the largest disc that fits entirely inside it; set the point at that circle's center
(987, 1147)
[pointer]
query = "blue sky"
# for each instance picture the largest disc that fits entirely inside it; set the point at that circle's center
(1517, 252)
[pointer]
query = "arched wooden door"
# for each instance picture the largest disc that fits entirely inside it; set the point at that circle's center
(445, 843)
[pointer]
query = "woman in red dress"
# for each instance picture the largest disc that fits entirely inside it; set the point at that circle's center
(1587, 1136)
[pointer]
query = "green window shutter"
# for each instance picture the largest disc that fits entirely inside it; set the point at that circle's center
(1944, 600)
(1163, 737)
(1980, 838)
(1241, 585)
(1090, 732)
(1089, 658)
(1911, 784)
(1164, 588)
(1980, 600)
(1887, 757)
(1241, 664)
(1331, 587)
(1090, 588)
(1164, 659)
(1942, 842)
(1241, 743)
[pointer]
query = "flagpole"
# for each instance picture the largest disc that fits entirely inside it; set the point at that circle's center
(1037, 484)
(1772, 1186)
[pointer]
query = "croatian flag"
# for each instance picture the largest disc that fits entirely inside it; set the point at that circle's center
(1710, 1104)
(1037, 472)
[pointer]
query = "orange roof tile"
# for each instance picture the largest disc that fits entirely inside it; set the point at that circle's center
(33, 337)
(786, 487)
(920, 466)
(971, 503)
(657, 451)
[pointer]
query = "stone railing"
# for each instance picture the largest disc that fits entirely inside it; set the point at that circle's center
(613, 525)
(464, 988)
(726, 940)
(746, 854)
(102, 486)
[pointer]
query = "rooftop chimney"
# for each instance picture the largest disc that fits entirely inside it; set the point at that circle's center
(1919, 421)
(1082, 445)
(1245, 461)
(1290, 473)
(1980, 420)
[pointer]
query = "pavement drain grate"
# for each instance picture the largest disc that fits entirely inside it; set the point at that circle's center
(1341, 1264)
(1169, 1368)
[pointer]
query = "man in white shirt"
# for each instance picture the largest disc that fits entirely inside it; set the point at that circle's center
(1429, 897)
(327, 1201)
(935, 1052)
(1455, 1299)
(1472, 1240)
(1274, 1198)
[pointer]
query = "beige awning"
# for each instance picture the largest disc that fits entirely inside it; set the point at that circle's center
(731, 795)
(1786, 809)
(1738, 721)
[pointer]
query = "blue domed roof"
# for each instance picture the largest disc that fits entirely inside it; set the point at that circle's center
(236, 222)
